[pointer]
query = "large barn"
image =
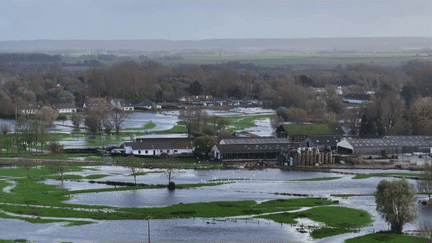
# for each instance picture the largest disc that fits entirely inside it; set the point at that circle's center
(251, 148)
(388, 145)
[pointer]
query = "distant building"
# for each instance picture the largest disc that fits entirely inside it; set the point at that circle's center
(29, 109)
(96, 103)
(147, 105)
(65, 108)
(122, 104)
(388, 145)
(355, 98)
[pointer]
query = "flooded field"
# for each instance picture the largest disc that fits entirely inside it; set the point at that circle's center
(259, 185)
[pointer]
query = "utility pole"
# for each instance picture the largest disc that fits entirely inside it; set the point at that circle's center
(148, 227)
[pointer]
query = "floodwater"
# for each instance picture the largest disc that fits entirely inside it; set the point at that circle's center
(164, 120)
(259, 185)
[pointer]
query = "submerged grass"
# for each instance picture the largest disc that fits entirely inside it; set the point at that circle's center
(244, 122)
(338, 219)
(320, 179)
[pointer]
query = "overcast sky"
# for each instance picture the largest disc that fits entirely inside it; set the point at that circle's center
(198, 20)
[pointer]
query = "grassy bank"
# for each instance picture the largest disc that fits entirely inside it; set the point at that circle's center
(386, 237)
(398, 175)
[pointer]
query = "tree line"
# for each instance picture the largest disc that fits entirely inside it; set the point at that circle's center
(292, 92)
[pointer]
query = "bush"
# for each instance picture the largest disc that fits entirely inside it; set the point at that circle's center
(171, 186)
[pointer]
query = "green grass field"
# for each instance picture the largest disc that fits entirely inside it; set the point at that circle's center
(387, 237)
(297, 60)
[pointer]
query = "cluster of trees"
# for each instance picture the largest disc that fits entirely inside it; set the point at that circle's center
(205, 128)
(293, 92)
(102, 119)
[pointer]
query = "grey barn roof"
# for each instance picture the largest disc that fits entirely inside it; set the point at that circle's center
(324, 139)
(392, 141)
(257, 148)
(254, 140)
(161, 143)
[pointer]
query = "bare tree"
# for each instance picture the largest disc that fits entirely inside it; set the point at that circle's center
(47, 114)
(425, 184)
(191, 118)
(134, 165)
(170, 174)
(59, 166)
(55, 148)
(27, 164)
(94, 119)
(118, 116)
(76, 120)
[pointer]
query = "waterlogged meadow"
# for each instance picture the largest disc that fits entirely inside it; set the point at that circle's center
(33, 201)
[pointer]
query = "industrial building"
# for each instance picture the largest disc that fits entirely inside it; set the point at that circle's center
(390, 145)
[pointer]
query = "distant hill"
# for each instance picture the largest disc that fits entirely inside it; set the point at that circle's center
(241, 45)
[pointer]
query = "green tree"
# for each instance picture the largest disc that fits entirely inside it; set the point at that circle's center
(396, 203)
(204, 144)
(27, 164)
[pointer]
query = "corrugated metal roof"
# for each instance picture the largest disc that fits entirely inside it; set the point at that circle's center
(162, 143)
(253, 140)
(257, 148)
(392, 141)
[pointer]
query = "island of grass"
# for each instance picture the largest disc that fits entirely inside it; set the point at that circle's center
(397, 175)
(338, 220)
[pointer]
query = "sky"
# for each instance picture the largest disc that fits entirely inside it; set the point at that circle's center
(222, 19)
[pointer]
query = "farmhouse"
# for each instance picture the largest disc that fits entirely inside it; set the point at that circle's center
(385, 146)
(160, 146)
(29, 109)
(121, 104)
(64, 108)
(146, 105)
(251, 148)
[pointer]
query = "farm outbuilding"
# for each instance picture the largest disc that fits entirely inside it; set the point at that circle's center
(322, 142)
(299, 132)
(385, 146)
(251, 148)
